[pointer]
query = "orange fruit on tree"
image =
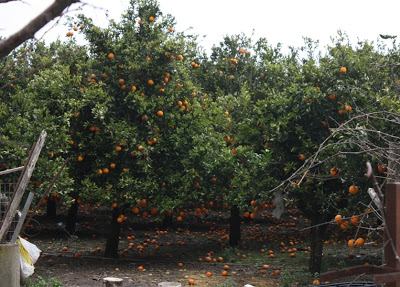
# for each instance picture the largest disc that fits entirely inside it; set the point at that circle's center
(354, 219)
(180, 57)
(80, 158)
(334, 171)
(106, 170)
(343, 70)
(100, 172)
(118, 148)
(114, 205)
(150, 82)
(348, 108)
(353, 189)
(160, 113)
(338, 219)
(302, 157)
(316, 282)
(234, 151)
(351, 243)
(110, 56)
(359, 242)
(151, 19)
(332, 96)
(140, 22)
(112, 165)
(382, 168)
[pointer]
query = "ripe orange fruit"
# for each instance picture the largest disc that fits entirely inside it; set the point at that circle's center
(140, 268)
(100, 172)
(150, 82)
(334, 171)
(340, 112)
(106, 170)
(234, 151)
(208, 274)
(191, 281)
(316, 282)
(76, 115)
(160, 113)
(343, 70)
(353, 190)
(224, 273)
(171, 29)
(382, 168)
(360, 242)
(338, 219)
(151, 19)
(80, 158)
(302, 157)
(332, 96)
(266, 266)
(65, 248)
(348, 108)
(111, 56)
(354, 219)
(120, 219)
(351, 243)
(118, 148)
(226, 267)
(140, 22)
(114, 205)
(112, 165)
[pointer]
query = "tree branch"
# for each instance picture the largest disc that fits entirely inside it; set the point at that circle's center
(28, 32)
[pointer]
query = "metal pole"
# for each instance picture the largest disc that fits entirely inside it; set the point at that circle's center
(23, 216)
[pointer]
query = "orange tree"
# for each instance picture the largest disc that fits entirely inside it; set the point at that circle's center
(36, 87)
(129, 131)
(319, 97)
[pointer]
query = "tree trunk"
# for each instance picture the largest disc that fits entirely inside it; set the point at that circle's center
(167, 221)
(113, 236)
(317, 236)
(72, 218)
(51, 207)
(234, 227)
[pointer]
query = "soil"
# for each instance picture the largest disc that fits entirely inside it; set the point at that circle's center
(77, 260)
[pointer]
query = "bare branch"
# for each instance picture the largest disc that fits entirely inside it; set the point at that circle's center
(28, 32)
(5, 1)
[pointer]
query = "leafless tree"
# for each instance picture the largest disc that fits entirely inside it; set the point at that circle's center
(28, 32)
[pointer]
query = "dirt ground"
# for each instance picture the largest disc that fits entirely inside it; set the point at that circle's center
(77, 260)
(90, 271)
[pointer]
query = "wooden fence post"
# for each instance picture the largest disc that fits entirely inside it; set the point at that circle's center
(392, 236)
(21, 186)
